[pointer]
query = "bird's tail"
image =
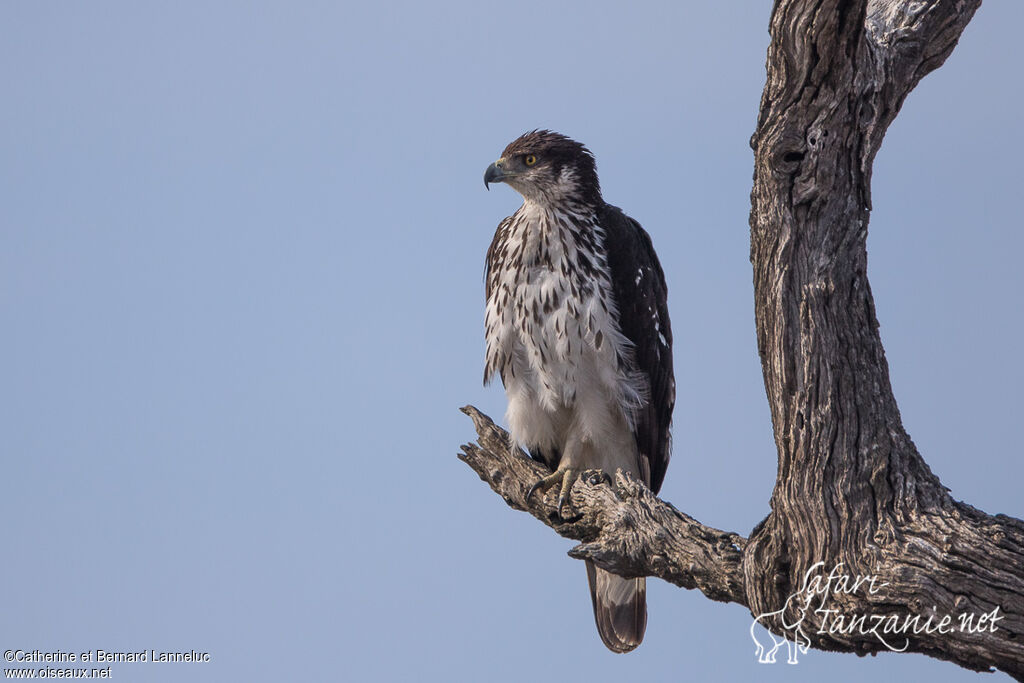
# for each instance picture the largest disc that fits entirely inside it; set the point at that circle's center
(620, 608)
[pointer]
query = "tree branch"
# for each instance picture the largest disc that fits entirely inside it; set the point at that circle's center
(853, 494)
(624, 527)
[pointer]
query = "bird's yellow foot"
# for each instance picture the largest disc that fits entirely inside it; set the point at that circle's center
(563, 479)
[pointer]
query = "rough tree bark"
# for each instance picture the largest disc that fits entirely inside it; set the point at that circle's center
(852, 490)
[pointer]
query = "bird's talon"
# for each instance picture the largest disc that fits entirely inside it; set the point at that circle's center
(544, 483)
(562, 499)
(564, 479)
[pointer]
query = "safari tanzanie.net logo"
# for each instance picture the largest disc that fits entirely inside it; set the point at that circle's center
(817, 597)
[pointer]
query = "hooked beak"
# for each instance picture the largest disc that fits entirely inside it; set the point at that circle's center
(494, 173)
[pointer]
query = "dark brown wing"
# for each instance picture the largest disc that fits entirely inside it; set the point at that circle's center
(638, 285)
(496, 255)
(492, 274)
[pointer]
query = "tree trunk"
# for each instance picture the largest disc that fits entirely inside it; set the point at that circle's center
(853, 496)
(852, 487)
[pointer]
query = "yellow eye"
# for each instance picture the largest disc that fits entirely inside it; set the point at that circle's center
(530, 160)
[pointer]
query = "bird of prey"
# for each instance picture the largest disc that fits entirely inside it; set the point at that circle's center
(577, 327)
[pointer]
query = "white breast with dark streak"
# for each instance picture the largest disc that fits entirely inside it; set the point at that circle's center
(552, 331)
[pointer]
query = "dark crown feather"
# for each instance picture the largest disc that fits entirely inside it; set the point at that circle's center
(560, 151)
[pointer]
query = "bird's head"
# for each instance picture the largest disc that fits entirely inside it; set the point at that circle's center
(547, 168)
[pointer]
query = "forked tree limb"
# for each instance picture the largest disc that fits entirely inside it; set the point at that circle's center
(852, 490)
(624, 527)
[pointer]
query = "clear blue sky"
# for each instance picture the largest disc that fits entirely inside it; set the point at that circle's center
(241, 258)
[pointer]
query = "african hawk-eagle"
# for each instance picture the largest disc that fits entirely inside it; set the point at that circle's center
(577, 326)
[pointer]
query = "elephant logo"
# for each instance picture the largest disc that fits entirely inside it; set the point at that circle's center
(795, 639)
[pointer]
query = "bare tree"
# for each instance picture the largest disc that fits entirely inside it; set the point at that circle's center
(852, 492)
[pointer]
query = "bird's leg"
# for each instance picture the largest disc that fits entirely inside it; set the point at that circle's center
(564, 478)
